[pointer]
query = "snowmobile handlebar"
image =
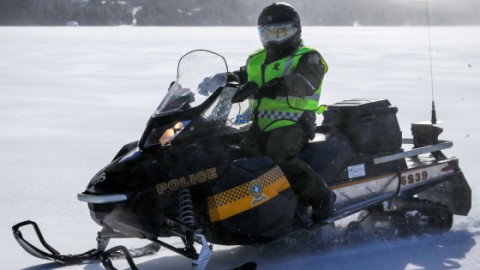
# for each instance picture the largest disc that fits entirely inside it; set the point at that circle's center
(244, 91)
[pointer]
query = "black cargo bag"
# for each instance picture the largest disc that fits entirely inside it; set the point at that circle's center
(370, 124)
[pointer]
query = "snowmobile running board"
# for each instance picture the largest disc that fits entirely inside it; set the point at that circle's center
(414, 152)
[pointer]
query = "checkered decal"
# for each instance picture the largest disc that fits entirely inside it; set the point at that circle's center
(241, 191)
(279, 115)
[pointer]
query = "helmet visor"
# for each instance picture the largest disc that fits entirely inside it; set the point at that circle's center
(276, 33)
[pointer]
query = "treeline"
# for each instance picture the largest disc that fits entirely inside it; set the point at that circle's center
(58, 12)
(234, 12)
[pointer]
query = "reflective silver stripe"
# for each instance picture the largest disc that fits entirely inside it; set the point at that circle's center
(279, 115)
(111, 198)
(306, 80)
(314, 97)
(288, 64)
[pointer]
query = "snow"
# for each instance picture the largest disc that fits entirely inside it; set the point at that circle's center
(71, 97)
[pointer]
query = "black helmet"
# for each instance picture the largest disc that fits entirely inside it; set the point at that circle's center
(279, 28)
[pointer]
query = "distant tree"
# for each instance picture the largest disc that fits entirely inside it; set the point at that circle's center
(234, 12)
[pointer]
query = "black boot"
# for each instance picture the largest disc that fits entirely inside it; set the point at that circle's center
(324, 208)
(304, 214)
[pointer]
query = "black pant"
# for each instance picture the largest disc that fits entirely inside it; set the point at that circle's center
(284, 145)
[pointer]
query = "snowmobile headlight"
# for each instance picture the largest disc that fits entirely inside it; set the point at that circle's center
(98, 179)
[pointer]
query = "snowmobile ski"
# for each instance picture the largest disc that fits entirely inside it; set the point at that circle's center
(51, 254)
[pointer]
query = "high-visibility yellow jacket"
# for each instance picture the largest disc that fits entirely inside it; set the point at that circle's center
(303, 73)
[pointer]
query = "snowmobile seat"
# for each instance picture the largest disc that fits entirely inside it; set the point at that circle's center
(329, 153)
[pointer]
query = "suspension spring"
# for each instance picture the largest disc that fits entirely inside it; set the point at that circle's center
(186, 208)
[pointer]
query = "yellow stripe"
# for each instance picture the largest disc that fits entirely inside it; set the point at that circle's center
(239, 191)
(238, 199)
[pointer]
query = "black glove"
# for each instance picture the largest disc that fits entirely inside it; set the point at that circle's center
(210, 84)
(232, 77)
(273, 88)
(246, 90)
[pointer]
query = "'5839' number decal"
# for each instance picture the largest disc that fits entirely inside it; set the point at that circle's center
(414, 178)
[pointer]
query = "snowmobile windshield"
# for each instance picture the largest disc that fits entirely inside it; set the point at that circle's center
(194, 86)
(199, 74)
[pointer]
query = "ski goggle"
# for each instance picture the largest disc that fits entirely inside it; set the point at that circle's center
(276, 33)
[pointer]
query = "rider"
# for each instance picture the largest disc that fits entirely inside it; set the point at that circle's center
(290, 76)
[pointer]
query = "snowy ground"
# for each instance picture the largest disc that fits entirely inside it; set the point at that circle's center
(70, 97)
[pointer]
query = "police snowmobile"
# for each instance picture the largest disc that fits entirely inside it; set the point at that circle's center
(194, 175)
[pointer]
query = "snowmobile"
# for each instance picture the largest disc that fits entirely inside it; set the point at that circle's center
(195, 175)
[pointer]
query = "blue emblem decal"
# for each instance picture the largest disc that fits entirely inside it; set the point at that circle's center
(242, 119)
(255, 189)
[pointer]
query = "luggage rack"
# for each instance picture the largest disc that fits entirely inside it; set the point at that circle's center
(414, 152)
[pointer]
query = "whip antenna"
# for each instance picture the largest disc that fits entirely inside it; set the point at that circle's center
(434, 113)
